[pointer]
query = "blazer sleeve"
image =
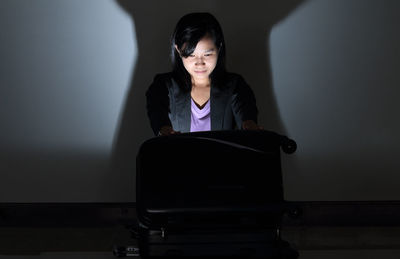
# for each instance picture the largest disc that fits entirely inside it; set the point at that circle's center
(243, 102)
(158, 105)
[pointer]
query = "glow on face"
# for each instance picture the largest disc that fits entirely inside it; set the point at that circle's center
(203, 60)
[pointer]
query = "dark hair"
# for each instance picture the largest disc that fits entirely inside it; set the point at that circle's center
(189, 30)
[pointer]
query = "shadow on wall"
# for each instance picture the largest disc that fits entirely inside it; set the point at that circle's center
(246, 28)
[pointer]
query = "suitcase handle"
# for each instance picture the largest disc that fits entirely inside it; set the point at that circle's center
(288, 145)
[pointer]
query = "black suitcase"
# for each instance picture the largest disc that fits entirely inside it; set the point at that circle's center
(212, 194)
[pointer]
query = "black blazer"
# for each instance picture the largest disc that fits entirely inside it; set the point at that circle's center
(231, 104)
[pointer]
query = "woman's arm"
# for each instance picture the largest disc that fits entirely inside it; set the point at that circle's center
(244, 105)
(158, 105)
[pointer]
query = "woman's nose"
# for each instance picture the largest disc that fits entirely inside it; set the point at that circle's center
(199, 61)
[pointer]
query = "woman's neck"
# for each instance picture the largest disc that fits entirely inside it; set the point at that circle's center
(201, 82)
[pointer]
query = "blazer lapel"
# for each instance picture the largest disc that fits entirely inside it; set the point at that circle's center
(218, 102)
(183, 107)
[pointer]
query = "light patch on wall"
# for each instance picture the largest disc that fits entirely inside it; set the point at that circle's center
(335, 75)
(65, 70)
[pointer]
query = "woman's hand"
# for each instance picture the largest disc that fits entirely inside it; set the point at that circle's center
(251, 125)
(167, 130)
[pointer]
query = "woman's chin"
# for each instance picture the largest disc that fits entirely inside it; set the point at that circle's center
(200, 75)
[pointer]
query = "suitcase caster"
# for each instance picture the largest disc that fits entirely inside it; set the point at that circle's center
(295, 213)
(123, 251)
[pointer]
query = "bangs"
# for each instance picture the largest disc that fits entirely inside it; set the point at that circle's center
(188, 44)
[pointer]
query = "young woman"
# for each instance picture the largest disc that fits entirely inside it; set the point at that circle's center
(199, 94)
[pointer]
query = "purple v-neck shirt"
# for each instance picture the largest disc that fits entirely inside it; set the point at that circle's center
(200, 119)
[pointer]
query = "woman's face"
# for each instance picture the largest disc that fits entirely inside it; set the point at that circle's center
(203, 60)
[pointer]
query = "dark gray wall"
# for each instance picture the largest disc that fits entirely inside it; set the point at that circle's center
(73, 77)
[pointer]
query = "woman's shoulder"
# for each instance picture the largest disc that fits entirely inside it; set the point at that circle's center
(165, 81)
(168, 76)
(162, 80)
(233, 79)
(230, 76)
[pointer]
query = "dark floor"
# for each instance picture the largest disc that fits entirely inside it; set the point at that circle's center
(91, 231)
(314, 254)
(95, 242)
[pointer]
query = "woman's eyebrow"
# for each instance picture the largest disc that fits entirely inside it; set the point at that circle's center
(210, 50)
